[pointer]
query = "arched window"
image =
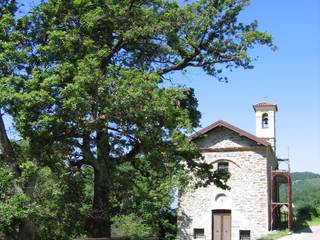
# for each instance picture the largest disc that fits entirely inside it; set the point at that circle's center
(265, 120)
(223, 166)
(224, 162)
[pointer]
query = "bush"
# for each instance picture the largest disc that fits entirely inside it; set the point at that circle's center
(307, 213)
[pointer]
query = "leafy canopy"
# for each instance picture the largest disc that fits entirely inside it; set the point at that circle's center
(97, 65)
(87, 83)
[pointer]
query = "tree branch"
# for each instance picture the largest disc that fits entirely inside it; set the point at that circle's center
(113, 51)
(124, 133)
(86, 150)
(129, 157)
(219, 60)
(182, 64)
(76, 165)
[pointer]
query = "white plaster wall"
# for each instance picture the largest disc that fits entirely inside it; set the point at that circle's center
(247, 199)
(269, 133)
(265, 132)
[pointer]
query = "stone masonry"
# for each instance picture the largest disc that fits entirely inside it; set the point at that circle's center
(249, 165)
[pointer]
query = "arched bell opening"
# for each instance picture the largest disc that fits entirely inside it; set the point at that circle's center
(265, 120)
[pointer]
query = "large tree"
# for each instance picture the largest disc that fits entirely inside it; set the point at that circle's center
(7, 58)
(95, 77)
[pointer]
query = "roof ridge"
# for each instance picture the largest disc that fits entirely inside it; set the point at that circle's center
(222, 123)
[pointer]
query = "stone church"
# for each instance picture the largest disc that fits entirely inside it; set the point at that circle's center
(243, 212)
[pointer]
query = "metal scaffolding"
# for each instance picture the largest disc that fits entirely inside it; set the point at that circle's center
(281, 212)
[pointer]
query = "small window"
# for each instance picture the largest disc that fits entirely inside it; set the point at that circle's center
(198, 233)
(224, 166)
(244, 235)
(265, 120)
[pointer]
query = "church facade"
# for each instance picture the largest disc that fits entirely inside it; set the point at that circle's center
(243, 212)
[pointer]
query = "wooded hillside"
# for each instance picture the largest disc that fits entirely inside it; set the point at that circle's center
(304, 175)
(305, 189)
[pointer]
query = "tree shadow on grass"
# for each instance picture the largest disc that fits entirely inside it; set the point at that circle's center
(300, 224)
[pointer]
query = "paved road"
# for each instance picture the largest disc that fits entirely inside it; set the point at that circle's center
(312, 233)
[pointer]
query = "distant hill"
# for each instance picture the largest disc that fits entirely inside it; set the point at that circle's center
(303, 175)
(305, 189)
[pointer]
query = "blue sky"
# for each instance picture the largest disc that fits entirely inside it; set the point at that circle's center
(289, 77)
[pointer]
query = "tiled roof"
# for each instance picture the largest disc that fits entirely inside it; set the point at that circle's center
(265, 104)
(222, 123)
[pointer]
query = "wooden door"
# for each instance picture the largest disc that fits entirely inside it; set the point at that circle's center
(221, 225)
(217, 227)
(226, 226)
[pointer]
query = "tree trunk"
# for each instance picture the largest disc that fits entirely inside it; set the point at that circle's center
(27, 230)
(100, 225)
(6, 151)
(99, 221)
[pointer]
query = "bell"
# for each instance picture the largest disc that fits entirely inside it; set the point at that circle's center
(265, 121)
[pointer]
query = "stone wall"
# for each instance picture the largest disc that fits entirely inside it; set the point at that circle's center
(247, 199)
(223, 138)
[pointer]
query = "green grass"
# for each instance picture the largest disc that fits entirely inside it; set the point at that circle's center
(297, 226)
(306, 198)
(314, 222)
(275, 235)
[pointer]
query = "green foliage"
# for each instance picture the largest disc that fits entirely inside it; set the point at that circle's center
(13, 205)
(307, 213)
(305, 196)
(168, 224)
(148, 196)
(17, 206)
(130, 225)
(86, 83)
(52, 198)
(305, 216)
(305, 190)
(295, 176)
(65, 206)
(5, 182)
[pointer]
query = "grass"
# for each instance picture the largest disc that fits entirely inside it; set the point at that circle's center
(297, 226)
(275, 235)
(313, 222)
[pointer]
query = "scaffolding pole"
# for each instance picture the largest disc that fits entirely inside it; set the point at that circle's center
(277, 177)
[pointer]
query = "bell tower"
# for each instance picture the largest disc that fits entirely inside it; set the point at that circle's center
(266, 122)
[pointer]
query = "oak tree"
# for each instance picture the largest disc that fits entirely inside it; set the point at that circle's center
(96, 76)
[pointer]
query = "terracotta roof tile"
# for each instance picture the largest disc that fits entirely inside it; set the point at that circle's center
(265, 104)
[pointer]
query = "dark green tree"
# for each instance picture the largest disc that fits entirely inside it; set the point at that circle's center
(92, 75)
(7, 59)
